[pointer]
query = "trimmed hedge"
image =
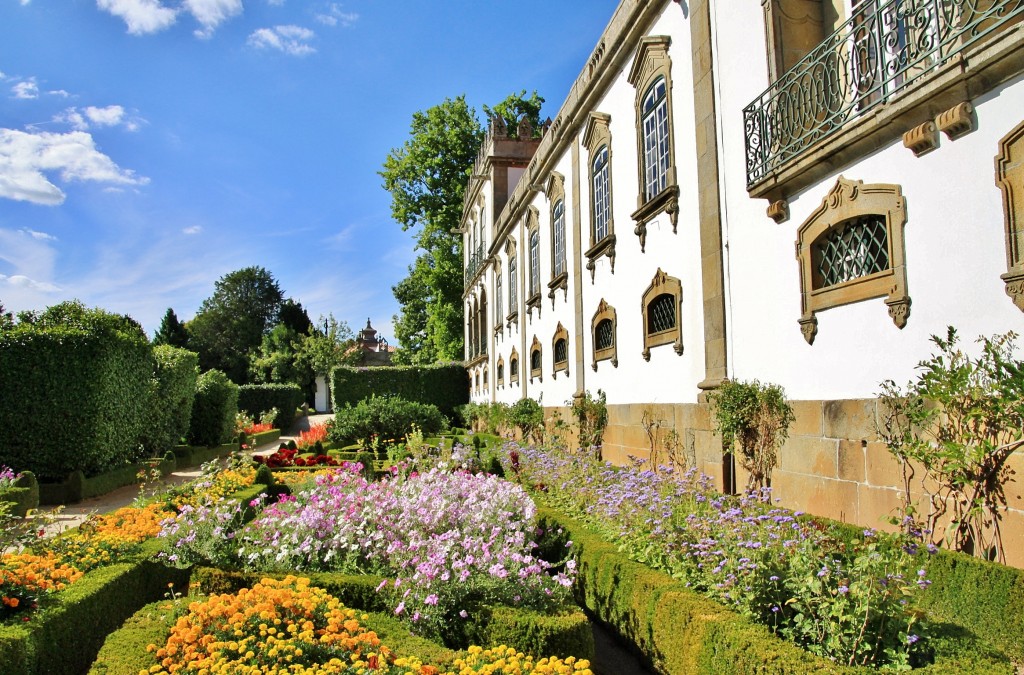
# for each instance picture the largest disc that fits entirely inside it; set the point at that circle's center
(191, 455)
(676, 630)
(77, 486)
(388, 418)
(172, 391)
(73, 391)
(64, 639)
(214, 410)
(443, 385)
(254, 399)
(24, 495)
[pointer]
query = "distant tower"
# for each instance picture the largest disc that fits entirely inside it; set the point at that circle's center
(368, 338)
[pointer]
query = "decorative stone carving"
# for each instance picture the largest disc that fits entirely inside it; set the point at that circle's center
(525, 129)
(956, 121)
(778, 211)
(605, 312)
(498, 126)
(662, 284)
(1010, 179)
(922, 139)
(809, 328)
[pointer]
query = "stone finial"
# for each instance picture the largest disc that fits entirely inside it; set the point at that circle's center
(525, 129)
(499, 126)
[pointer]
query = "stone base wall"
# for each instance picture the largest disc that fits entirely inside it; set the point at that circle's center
(832, 465)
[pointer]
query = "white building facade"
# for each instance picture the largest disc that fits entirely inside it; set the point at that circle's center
(795, 191)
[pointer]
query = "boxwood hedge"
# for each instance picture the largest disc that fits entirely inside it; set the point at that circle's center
(172, 390)
(443, 385)
(214, 410)
(258, 398)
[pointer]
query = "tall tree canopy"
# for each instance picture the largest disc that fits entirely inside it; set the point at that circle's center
(427, 179)
(231, 323)
(171, 331)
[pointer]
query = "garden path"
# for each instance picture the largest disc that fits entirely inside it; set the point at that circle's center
(74, 515)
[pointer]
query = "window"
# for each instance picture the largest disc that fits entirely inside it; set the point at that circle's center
(555, 191)
(851, 249)
(513, 301)
(651, 76)
(500, 368)
(534, 263)
(560, 349)
(597, 139)
(536, 360)
(602, 329)
(499, 310)
(1009, 178)
(558, 233)
(513, 366)
(662, 304)
(601, 191)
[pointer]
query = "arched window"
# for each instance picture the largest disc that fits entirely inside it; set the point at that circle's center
(655, 138)
(603, 329)
(499, 308)
(534, 263)
(597, 138)
(560, 349)
(513, 300)
(536, 360)
(501, 371)
(513, 366)
(662, 305)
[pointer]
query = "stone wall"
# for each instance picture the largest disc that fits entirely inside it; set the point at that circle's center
(832, 465)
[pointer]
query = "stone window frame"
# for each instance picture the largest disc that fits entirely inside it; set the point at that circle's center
(605, 312)
(555, 191)
(536, 357)
(499, 368)
(560, 366)
(499, 300)
(533, 254)
(1010, 180)
(597, 135)
(485, 371)
(849, 199)
(663, 284)
(652, 64)
(513, 366)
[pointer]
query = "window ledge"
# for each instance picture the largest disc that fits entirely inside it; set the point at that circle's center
(533, 302)
(562, 282)
(668, 201)
(476, 360)
(513, 317)
(967, 75)
(605, 247)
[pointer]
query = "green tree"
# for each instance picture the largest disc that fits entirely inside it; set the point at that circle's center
(427, 179)
(6, 318)
(275, 360)
(171, 331)
(293, 315)
(514, 107)
(231, 323)
(322, 351)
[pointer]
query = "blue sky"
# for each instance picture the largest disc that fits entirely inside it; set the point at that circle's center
(148, 147)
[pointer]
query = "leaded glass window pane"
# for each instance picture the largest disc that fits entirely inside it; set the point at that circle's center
(513, 293)
(852, 249)
(499, 309)
(655, 131)
(604, 335)
(661, 314)
(561, 351)
(535, 360)
(559, 237)
(602, 195)
(534, 263)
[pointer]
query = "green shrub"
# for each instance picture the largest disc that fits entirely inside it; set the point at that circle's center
(23, 495)
(444, 385)
(386, 417)
(81, 376)
(172, 390)
(254, 399)
(527, 416)
(214, 410)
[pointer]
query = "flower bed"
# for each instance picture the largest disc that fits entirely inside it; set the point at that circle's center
(846, 598)
(447, 543)
(286, 457)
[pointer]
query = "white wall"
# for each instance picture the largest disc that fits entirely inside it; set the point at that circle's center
(955, 248)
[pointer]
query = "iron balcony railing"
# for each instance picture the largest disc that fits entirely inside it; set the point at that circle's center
(476, 260)
(886, 47)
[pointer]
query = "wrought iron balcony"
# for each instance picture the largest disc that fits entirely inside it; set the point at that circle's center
(885, 48)
(476, 261)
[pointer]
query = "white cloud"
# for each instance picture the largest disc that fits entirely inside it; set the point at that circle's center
(26, 90)
(92, 116)
(21, 281)
(193, 229)
(141, 16)
(212, 13)
(291, 40)
(26, 157)
(334, 16)
(41, 236)
(59, 92)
